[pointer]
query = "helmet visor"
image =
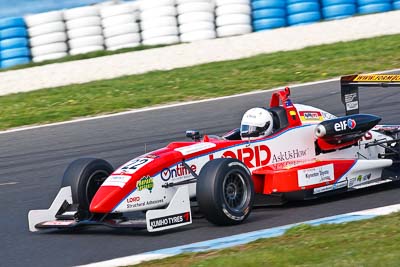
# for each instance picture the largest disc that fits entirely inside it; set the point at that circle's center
(252, 131)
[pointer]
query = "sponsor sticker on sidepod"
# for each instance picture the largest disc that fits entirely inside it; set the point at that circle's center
(315, 175)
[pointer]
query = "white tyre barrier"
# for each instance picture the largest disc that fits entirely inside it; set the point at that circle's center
(128, 45)
(121, 29)
(122, 39)
(84, 50)
(48, 49)
(158, 12)
(43, 18)
(164, 40)
(231, 30)
(233, 19)
(80, 12)
(195, 7)
(233, 9)
(83, 22)
(111, 11)
(58, 26)
(95, 40)
(159, 22)
(158, 32)
(198, 35)
(85, 31)
(228, 2)
(195, 17)
(178, 2)
(152, 4)
(118, 20)
(196, 26)
(49, 38)
(50, 57)
(196, 21)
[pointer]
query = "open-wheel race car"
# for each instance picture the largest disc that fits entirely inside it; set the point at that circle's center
(284, 152)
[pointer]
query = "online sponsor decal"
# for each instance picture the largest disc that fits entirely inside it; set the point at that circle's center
(145, 183)
(316, 175)
(170, 220)
(116, 180)
(344, 125)
(178, 171)
(311, 116)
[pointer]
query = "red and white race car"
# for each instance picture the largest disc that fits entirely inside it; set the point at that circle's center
(310, 153)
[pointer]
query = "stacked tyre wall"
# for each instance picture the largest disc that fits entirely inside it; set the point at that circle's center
(55, 34)
(14, 48)
(48, 37)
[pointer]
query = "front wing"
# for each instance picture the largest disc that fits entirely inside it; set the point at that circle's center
(176, 214)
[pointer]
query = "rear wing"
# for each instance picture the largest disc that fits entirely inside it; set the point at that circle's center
(349, 87)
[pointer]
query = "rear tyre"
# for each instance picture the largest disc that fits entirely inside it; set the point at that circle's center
(225, 191)
(85, 176)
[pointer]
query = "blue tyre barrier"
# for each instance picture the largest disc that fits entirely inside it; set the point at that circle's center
(266, 24)
(396, 5)
(374, 8)
(303, 18)
(11, 23)
(339, 11)
(289, 2)
(13, 43)
(269, 13)
(369, 2)
(13, 33)
(337, 2)
(14, 53)
(302, 7)
(263, 4)
(14, 61)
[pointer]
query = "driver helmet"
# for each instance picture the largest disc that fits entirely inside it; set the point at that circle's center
(256, 123)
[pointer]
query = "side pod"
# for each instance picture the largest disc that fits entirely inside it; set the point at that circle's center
(38, 216)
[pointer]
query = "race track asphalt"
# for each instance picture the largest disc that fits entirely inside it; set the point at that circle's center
(35, 160)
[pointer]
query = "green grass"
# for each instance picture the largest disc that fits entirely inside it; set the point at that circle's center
(199, 82)
(372, 243)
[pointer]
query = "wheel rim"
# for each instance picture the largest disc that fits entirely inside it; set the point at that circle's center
(235, 191)
(94, 182)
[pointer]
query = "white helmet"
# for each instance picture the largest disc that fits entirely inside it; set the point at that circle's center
(256, 122)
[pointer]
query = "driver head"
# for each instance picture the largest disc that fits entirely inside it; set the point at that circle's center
(256, 123)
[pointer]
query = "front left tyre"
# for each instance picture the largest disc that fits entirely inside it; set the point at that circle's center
(85, 176)
(225, 191)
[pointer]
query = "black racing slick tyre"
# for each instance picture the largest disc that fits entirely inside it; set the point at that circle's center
(85, 177)
(225, 191)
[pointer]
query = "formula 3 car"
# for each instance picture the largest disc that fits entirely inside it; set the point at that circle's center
(311, 153)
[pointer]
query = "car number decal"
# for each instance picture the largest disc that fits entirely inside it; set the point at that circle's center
(134, 165)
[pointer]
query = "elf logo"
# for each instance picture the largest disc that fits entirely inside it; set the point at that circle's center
(344, 125)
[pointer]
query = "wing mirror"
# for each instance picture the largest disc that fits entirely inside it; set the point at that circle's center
(194, 134)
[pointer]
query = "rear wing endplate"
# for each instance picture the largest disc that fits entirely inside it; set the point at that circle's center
(349, 87)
